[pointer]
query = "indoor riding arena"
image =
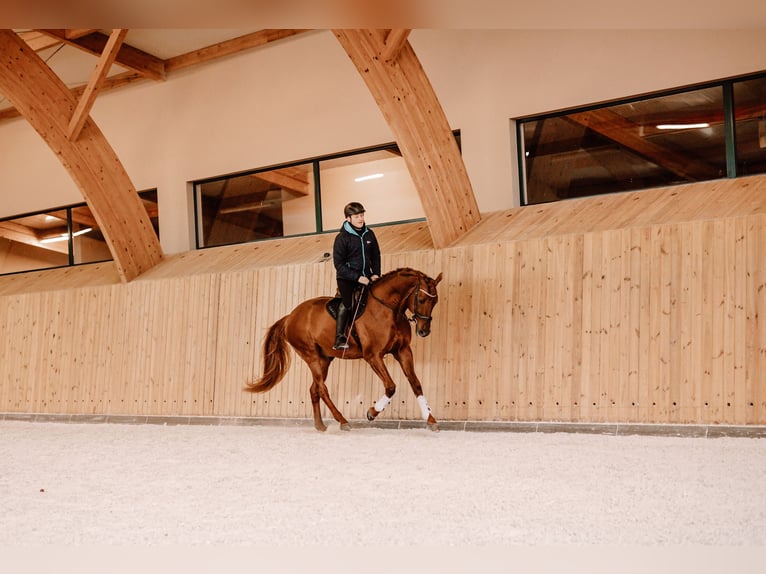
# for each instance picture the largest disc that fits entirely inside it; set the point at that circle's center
(592, 385)
(595, 364)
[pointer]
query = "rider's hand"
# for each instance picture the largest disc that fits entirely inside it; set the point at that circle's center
(374, 278)
(364, 280)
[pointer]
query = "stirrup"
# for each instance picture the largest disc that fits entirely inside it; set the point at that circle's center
(340, 343)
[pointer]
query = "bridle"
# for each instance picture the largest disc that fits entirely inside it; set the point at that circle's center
(415, 315)
(411, 293)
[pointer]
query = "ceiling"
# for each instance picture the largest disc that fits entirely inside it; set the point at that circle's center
(144, 55)
(326, 14)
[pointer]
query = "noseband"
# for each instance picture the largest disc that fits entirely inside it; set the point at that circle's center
(415, 316)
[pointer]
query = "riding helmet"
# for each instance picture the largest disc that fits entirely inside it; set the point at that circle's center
(353, 208)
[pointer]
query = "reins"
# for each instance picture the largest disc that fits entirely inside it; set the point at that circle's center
(382, 302)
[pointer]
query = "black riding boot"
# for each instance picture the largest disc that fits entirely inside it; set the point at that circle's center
(340, 327)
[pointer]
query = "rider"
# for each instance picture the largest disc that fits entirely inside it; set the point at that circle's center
(356, 256)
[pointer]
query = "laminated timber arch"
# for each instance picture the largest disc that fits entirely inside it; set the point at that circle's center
(397, 81)
(49, 106)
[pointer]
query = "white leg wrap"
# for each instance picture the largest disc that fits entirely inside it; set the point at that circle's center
(382, 403)
(425, 410)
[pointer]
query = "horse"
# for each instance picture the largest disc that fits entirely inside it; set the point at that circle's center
(383, 328)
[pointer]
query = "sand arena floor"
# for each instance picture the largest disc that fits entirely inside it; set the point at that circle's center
(67, 485)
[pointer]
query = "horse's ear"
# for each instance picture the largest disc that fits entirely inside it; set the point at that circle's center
(438, 278)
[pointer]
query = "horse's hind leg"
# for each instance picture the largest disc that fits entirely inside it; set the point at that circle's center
(318, 422)
(318, 390)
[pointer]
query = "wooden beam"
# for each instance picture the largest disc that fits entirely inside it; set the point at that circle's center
(17, 232)
(623, 131)
(128, 57)
(74, 33)
(46, 103)
(52, 233)
(227, 48)
(116, 81)
(38, 40)
(289, 178)
(24, 234)
(395, 40)
(85, 103)
(83, 215)
(415, 116)
(110, 83)
(243, 43)
(152, 209)
(80, 215)
(9, 113)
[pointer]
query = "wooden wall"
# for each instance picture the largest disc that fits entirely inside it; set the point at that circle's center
(637, 307)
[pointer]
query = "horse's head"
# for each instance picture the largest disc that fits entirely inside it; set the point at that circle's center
(422, 302)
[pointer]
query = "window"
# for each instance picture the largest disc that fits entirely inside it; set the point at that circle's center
(379, 180)
(59, 237)
(257, 205)
(666, 139)
(305, 198)
(750, 130)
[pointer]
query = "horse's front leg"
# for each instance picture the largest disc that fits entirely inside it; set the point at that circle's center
(404, 357)
(377, 364)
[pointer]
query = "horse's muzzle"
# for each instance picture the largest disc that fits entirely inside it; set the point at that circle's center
(422, 324)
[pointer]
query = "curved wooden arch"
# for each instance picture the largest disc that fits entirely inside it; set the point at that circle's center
(397, 81)
(48, 105)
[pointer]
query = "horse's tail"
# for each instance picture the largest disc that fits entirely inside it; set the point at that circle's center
(276, 359)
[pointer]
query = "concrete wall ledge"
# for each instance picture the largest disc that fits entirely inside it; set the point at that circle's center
(616, 429)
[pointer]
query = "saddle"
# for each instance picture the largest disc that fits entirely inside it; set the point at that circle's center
(359, 303)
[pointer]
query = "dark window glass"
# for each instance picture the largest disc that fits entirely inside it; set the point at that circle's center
(258, 205)
(88, 243)
(750, 116)
(43, 240)
(652, 142)
(32, 242)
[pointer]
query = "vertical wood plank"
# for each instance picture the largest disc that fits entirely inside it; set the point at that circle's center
(756, 318)
(645, 358)
(712, 398)
(739, 327)
(518, 342)
(613, 342)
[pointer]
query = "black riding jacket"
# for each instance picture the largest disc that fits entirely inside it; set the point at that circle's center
(356, 253)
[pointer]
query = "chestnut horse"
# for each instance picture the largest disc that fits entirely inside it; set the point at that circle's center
(382, 328)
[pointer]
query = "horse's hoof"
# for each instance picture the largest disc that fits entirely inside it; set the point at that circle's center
(345, 427)
(320, 428)
(371, 414)
(433, 427)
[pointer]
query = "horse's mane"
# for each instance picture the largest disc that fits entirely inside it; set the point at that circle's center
(401, 271)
